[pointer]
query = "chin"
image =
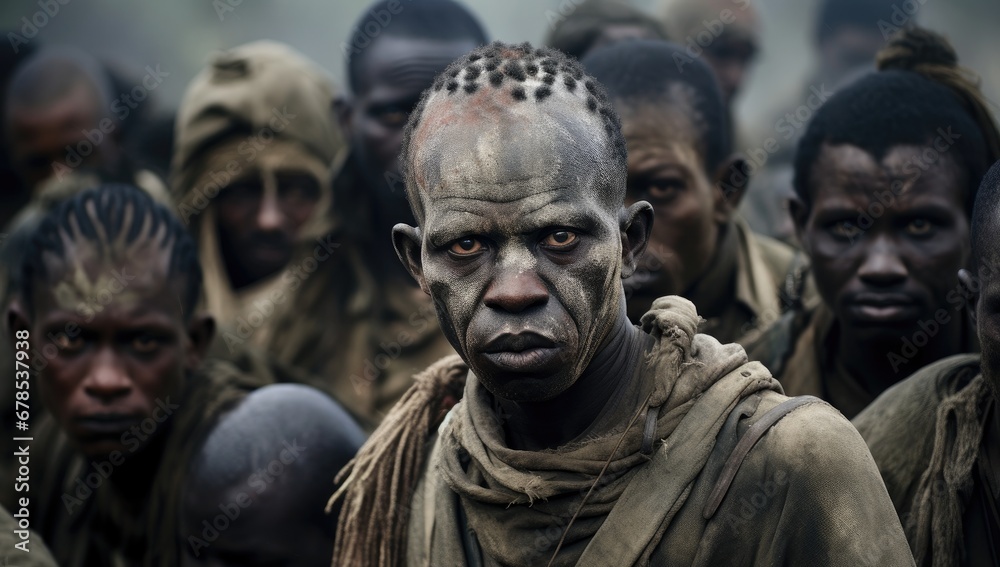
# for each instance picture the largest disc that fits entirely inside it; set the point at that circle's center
(525, 389)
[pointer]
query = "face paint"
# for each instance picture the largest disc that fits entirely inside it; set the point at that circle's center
(92, 274)
(520, 250)
(119, 359)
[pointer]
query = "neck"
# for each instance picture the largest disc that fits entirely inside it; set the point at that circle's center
(872, 365)
(133, 479)
(609, 381)
(715, 288)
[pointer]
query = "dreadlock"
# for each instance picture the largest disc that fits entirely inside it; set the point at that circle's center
(528, 75)
(919, 91)
(108, 217)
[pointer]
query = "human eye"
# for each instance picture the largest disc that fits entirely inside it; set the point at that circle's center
(845, 230)
(560, 240)
(466, 247)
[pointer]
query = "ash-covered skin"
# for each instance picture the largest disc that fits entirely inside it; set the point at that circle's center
(523, 233)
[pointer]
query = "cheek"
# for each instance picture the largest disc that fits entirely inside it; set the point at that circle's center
(299, 214)
(159, 378)
(60, 383)
(233, 220)
(457, 293)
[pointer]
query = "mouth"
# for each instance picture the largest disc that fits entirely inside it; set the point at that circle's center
(104, 427)
(883, 308)
(522, 352)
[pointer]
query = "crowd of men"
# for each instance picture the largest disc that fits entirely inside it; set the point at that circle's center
(498, 304)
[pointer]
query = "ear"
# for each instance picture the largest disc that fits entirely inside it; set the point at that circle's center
(800, 216)
(201, 331)
(343, 109)
(406, 240)
(636, 224)
(17, 319)
(731, 180)
(970, 289)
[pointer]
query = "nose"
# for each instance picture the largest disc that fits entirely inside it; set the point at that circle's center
(883, 264)
(107, 379)
(269, 215)
(515, 291)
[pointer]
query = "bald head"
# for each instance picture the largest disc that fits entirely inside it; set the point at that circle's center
(562, 120)
(265, 470)
(52, 101)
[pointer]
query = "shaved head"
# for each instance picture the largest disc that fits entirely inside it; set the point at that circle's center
(500, 91)
(266, 468)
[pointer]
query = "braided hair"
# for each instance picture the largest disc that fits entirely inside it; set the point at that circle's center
(528, 75)
(918, 92)
(109, 217)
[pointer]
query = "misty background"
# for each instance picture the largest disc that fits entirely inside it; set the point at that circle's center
(180, 36)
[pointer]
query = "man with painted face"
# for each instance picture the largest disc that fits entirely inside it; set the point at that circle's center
(108, 312)
(936, 435)
(383, 328)
(679, 149)
(885, 176)
(580, 439)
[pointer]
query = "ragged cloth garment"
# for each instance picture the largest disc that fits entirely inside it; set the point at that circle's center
(801, 351)
(795, 500)
(930, 436)
(749, 284)
(101, 526)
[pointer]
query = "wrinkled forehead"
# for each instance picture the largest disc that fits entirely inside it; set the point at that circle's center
(508, 150)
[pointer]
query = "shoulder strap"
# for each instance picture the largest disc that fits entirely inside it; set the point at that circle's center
(746, 443)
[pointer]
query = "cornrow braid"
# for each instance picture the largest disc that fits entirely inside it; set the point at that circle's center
(528, 75)
(107, 216)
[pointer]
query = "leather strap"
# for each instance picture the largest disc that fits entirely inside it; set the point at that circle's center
(746, 443)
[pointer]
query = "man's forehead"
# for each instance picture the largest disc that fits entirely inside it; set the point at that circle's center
(503, 152)
(129, 273)
(395, 64)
